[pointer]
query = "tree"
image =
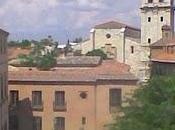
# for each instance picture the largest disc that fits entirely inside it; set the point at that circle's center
(25, 44)
(46, 62)
(151, 108)
(97, 52)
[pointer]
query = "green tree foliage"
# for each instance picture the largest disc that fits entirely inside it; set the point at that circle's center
(46, 62)
(37, 59)
(151, 108)
(25, 44)
(97, 52)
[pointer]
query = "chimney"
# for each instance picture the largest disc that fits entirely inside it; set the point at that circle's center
(166, 32)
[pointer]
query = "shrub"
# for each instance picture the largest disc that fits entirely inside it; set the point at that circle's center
(97, 52)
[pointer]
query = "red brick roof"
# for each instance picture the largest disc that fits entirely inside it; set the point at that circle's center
(108, 70)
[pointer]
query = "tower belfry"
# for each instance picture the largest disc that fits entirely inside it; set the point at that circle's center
(154, 15)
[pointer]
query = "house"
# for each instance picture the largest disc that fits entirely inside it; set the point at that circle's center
(80, 93)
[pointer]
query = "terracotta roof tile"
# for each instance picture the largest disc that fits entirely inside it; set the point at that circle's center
(79, 61)
(130, 31)
(164, 42)
(107, 70)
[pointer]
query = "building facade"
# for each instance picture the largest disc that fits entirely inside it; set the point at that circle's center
(130, 45)
(76, 97)
(119, 41)
(154, 15)
(3, 81)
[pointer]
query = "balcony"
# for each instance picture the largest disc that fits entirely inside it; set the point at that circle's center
(59, 107)
(37, 106)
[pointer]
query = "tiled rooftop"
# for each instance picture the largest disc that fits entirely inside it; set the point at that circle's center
(79, 61)
(108, 70)
(130, 31)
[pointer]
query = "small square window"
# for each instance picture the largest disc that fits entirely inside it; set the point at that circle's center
(161, 19)
(149, 19)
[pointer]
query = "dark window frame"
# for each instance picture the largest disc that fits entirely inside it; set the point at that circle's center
(59, 123)
(150, 1)
(115, 97)
(37, 123)
(36, 98)
(14, 97)
(149, 19)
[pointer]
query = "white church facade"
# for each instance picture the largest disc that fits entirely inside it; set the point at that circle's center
(131, 45)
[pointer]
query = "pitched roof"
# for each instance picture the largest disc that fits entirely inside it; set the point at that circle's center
(6, 33)
(79, 61)
(130, 31)
(164, 42)
(108, 70)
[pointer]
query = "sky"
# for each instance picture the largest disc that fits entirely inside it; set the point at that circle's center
(63, 19)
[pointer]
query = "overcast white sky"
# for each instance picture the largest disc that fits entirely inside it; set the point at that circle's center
(63, 19)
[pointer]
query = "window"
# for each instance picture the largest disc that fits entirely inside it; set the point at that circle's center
(150, 1)
(161, 19)
(37, 123)
(59, 104)
(83, 120)
(149, 40)
(60, 98)
(115, 97)
(132, 49)
(161, 0)
(36, 98)
(14, 97)
(59, 123)
(149, 19)
(114, 100)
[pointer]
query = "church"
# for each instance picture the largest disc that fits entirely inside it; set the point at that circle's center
(132, 45)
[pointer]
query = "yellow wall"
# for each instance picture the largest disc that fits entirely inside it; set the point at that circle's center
(95, 107)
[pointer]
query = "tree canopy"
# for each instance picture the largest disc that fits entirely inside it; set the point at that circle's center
(97, 52)
(151, 108)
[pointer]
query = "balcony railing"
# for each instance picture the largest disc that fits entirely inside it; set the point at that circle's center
(59, 107)
(37, 107)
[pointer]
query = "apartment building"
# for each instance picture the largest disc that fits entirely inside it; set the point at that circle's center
(3, 81)
(79, 94)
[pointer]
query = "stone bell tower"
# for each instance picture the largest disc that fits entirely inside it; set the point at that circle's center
(154, 15)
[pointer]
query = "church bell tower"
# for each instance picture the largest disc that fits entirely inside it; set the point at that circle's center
(154, 15)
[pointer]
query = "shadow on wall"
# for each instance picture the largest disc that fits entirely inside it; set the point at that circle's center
(21, 116)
